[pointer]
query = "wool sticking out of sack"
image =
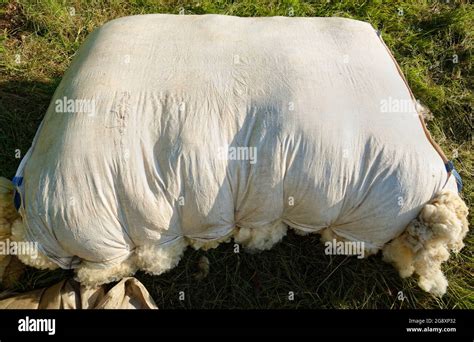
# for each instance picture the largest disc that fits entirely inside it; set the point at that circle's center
(174, 131)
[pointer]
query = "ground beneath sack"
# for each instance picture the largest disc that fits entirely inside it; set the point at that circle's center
(296, 268)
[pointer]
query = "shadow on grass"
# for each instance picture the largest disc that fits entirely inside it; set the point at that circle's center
(22, 107)
(294, 274)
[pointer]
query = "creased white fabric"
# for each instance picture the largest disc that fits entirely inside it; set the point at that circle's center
(171, 92)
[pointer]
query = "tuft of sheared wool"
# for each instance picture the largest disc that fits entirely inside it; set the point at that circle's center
(300, 232)
(8, 217)
(37, 260)
(8, 213)
(428, 240)
(260, 239)
(159, 259)
(90, 275)
(210, 244)
(12, 227)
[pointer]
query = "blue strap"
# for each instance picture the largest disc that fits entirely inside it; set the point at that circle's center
(450, 168)
(17, 181)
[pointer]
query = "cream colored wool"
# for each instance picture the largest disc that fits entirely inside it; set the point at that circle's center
(260, 239)
(12, 227)
(8, 215)
(92, 275)
(209, 244)
(156, 260)
(428, 240)
(38, 260)
(8, 212)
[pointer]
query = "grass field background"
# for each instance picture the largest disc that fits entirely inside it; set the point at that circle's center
(432, 41)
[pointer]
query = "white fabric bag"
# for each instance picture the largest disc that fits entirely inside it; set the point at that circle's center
(191, 127)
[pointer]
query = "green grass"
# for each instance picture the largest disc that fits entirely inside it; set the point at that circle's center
(38, 39)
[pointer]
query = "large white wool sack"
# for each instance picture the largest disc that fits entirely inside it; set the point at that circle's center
(149, 167)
